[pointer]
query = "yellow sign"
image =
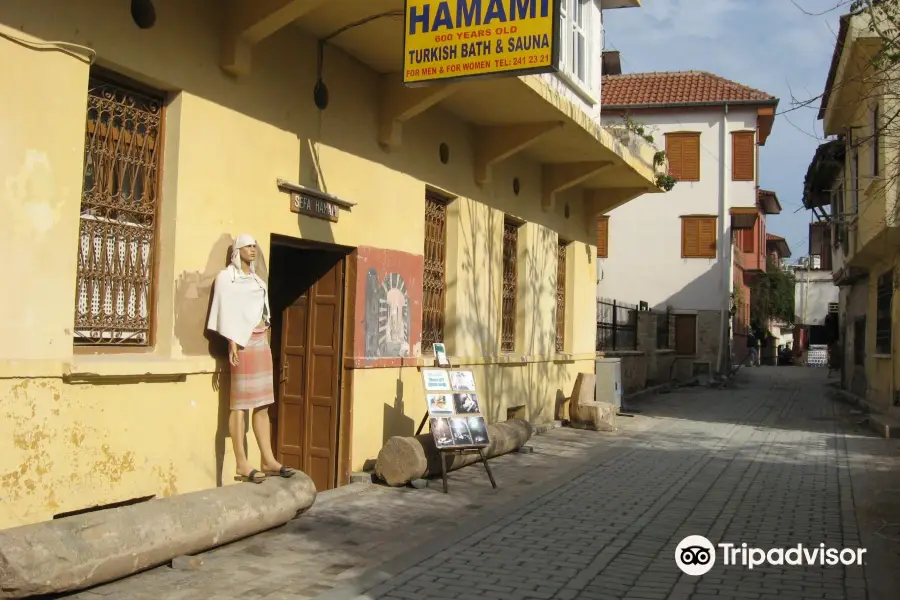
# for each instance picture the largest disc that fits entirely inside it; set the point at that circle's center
(451, 39)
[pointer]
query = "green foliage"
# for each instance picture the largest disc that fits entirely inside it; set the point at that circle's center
(663, 181)
(772, 295)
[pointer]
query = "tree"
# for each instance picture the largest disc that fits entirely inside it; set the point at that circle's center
(772, 296)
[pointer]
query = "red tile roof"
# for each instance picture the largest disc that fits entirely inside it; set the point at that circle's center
(676, 87)
(771, 237)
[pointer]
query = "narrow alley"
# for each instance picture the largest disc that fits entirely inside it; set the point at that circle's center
(774, 461)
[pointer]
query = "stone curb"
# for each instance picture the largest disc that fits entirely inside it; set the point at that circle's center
(339, 493)
(646, 392)
(376, 576)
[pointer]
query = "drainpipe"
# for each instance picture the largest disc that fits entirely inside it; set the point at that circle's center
(726, 257)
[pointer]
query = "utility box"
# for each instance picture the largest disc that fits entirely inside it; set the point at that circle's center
(608, 372)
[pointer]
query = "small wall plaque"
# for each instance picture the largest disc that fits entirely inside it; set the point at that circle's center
(310, 206)
(314, 203)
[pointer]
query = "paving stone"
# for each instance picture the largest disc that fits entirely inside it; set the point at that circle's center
(770, 462)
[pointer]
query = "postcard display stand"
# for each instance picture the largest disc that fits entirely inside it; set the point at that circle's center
(454, 412)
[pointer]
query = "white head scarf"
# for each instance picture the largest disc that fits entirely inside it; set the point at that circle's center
(241, 241)
(239, 300)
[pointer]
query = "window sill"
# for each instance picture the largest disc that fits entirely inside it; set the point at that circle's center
(122, 366)
(579, 88)
(86, 368)
(665, 351)
(882, 356)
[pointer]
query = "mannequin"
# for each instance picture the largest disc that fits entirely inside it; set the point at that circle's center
(240, 314)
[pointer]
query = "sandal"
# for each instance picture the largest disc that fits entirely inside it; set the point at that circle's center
(282, 472)
(251, 478)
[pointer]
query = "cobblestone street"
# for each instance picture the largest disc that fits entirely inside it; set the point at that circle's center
(773, 461)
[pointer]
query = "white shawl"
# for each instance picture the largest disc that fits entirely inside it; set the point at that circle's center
(239, 302)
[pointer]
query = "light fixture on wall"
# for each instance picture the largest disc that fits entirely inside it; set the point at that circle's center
(143, 13)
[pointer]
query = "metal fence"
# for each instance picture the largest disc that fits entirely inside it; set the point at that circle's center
(616, 325)
(665, 325)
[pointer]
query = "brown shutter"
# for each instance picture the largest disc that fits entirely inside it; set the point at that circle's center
(747, 236)
(690, 237)
(698, 237)
(707, 227)
(742, 150)
(690, 148)
(674, 153)
(603, 237)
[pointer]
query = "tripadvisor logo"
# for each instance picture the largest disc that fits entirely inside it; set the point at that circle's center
(695, 555)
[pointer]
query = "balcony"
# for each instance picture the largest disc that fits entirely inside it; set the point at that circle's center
(507, 115)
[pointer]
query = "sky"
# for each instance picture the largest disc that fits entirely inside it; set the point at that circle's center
(782, 47)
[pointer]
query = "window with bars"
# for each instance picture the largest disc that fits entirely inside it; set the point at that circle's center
(884, 293)
(561, 295)
(119, 207)
(433, 280)
(876, 140)
(510, 285)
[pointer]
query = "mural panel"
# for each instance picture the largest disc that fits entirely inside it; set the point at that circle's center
(388, 316)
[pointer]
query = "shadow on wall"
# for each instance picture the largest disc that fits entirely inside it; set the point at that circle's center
(396, 423)
(707, 285)
(531, 386)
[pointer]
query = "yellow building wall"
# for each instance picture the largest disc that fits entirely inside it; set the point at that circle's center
(882, 369)
(87, 430)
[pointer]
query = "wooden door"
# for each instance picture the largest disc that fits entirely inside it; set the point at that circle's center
(686, 335)
(292, 388)
(309, 389)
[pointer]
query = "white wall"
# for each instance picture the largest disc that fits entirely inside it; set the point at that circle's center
(811, 308)
(586, 97)
(644, 260)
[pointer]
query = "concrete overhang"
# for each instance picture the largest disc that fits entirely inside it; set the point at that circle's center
(768, 202)
(508, 115)
(743, 217)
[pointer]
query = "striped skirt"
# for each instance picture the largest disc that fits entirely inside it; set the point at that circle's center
(252, 379)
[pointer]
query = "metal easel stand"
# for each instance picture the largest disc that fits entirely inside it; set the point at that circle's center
(462, 451)
(456, 451)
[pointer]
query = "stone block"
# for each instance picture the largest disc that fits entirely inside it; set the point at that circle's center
(584, 412)
(403, 459)
(93, 548)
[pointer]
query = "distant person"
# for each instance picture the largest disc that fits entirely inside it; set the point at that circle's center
(752, 348)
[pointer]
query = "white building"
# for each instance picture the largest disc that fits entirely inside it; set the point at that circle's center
(676, 250)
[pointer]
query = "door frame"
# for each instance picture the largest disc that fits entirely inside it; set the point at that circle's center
(348, 255)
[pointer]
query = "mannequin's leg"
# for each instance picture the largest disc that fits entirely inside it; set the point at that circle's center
(236, 429)
(262, 428)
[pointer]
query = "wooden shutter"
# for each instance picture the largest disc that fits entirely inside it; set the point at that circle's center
(686, 334)
(690, 148)
(743, 148)
(683, 152)
(747, 237)
(690, 237)
(603, 237)
(674, 152)
(707, 237)
(698, 237)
